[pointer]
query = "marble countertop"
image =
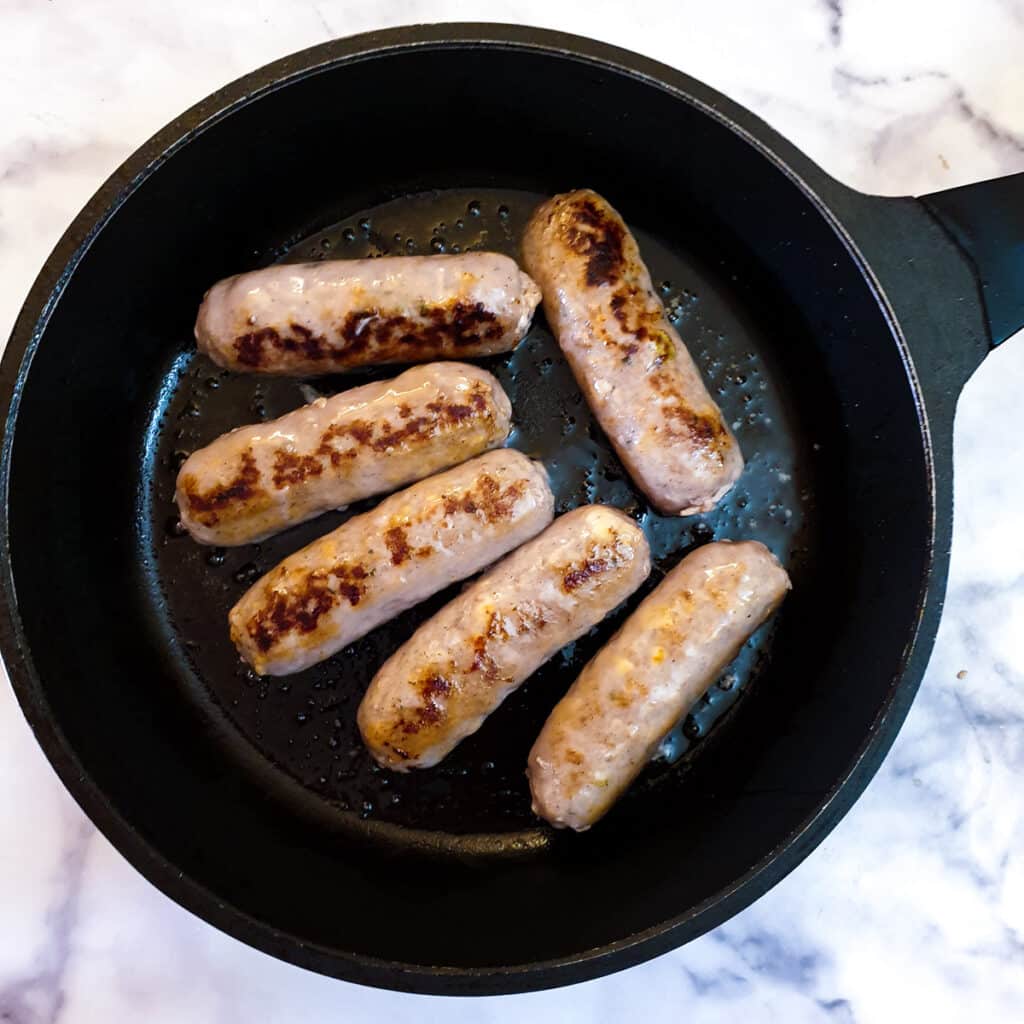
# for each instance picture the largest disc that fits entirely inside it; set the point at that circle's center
(913, 908)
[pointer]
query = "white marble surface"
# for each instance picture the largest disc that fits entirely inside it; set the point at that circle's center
(913, 909)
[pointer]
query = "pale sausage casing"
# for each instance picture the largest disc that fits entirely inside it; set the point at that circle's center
(376, 565)
(440, 685)
(301, 319)
(628, 359)
(259, 479)
(642, 682)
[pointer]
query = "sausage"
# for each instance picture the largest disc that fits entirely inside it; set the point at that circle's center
(642, 682)
(303, 319)
(440, 685)
(628, 359)
(257, 480)
(378, 564)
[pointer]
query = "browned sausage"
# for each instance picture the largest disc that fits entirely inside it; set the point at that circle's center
(440, 685)
(628, 359)
(378, 564)
(670, 650)
(260, 479)
(301, 319)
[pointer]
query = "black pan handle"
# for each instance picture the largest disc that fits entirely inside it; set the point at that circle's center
(986, 221)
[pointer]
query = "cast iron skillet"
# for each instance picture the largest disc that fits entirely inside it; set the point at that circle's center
(836, 329)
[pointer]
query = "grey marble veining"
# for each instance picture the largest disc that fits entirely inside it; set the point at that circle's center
(913, 909)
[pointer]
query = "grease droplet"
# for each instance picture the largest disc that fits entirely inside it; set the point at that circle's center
(248, 573)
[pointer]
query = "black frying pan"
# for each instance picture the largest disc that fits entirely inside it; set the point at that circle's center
(836, 329)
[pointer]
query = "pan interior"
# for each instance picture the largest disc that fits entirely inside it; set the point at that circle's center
(304, 724)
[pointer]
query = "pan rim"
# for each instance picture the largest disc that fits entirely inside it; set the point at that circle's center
(29, 689)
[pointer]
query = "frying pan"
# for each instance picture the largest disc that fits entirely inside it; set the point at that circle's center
(836, 330)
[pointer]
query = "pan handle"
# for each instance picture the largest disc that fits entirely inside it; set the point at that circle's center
(986, 221)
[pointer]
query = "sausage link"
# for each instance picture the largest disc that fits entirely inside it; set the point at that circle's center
(311, 318)
(628, 359)
(642, 682)
(378, 564)
(259, 479)
(440, 685)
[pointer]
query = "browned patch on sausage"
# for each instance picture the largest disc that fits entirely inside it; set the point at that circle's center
(205, 505)
(301, 607)
(632, 690)
(360, 430)
(487, 498)
(382, 437)
(398, 545)
(641, 316)
(336, 457)
(291, 468)
(664, 347)
(483, 662)
(444, 416)
(528, 618)
(598, 559)
(573, 756)
(434, 685)
(432, 688)
(365, 335)
(467, 323)
(380, 335)
(455, 412)
(579, 574)
(251, 348)
(414, 429)
(439, 327)
(705, 431)
(397, 541)
(598, 236)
